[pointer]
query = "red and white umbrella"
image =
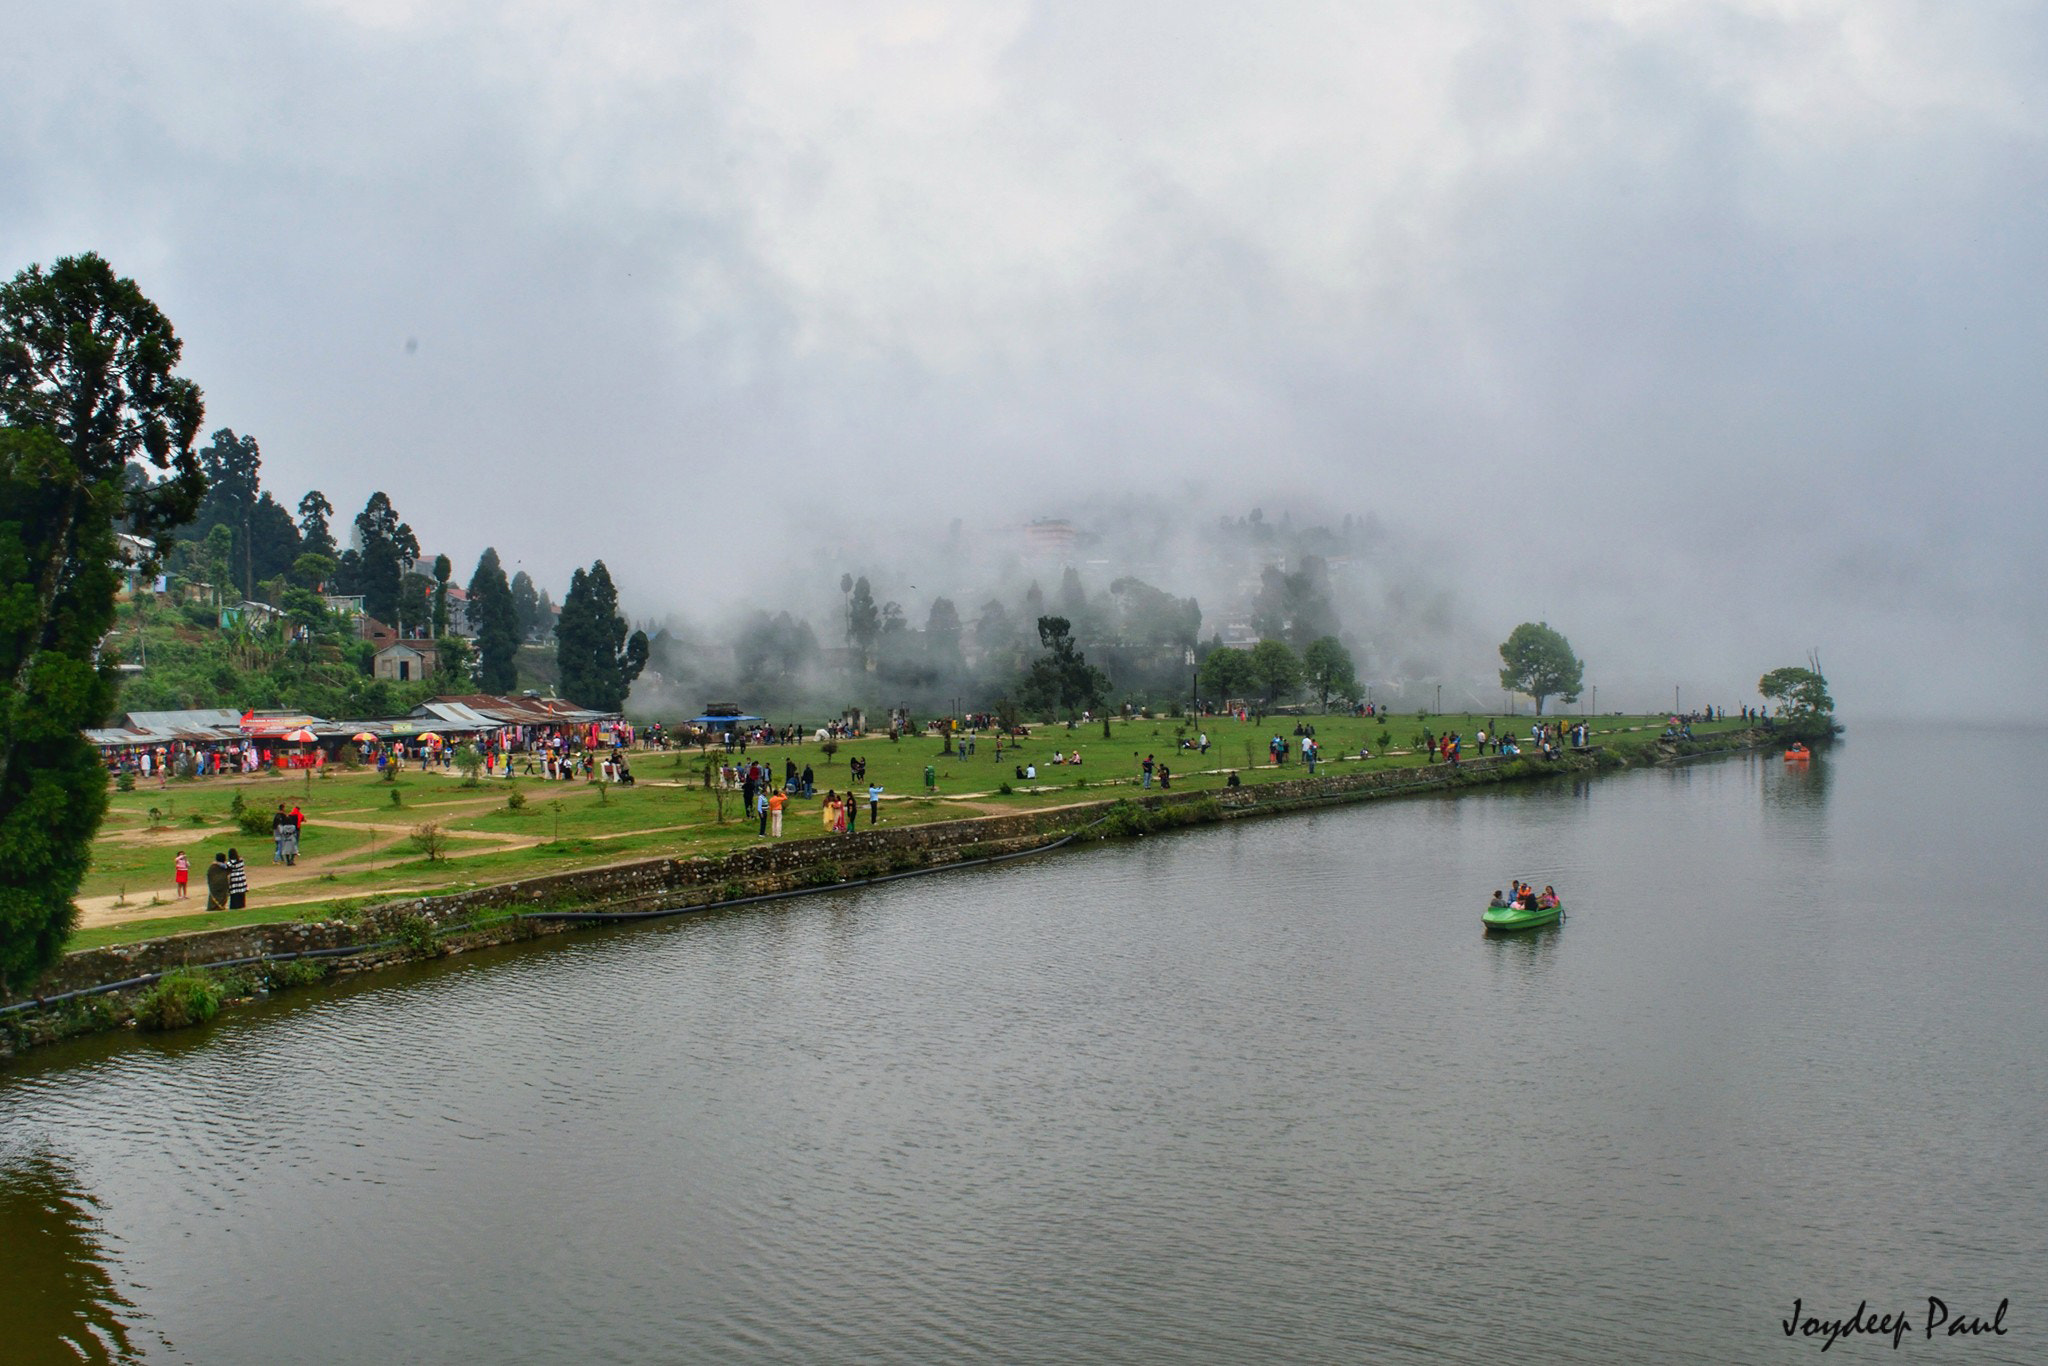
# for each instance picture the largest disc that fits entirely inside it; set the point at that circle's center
(301, 736)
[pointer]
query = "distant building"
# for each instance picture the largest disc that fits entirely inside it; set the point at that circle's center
(1239, 635)
(349, 605)
(1049, 536)
(405, 661)
(458, 612)
(130, 554)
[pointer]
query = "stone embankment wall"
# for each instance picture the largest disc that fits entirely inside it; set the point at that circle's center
(515, 910)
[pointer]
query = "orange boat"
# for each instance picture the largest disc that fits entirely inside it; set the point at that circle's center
(1798, 754)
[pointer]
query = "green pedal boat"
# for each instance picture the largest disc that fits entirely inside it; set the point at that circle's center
(1506, 919)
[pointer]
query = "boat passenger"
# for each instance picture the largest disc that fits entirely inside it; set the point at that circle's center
(1549, 898)
(1499, 902)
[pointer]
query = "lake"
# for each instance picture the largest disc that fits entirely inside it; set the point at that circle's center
(1257, 1092)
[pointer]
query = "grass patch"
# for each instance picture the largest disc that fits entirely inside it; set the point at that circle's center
(180, 1000)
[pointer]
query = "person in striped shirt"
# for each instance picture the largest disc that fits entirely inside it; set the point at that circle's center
(238, 881)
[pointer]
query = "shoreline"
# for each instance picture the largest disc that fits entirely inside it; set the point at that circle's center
(96, 990)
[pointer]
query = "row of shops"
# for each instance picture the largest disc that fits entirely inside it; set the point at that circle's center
(218, 740)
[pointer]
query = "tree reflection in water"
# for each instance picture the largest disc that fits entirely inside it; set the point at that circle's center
(61, 1303)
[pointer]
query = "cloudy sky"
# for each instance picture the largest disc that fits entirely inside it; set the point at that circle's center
(1708, 332)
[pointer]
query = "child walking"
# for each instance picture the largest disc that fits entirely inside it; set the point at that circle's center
(184, 873)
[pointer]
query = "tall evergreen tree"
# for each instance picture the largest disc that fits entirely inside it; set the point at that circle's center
(86, 387)
(863, 619)
(274, 543)
(316, 535)
(494, 619)
(1061, 679)
(525, 606)
(233, 468)
(444, 569)
(596, 659)
(386, 549)
(415, 603)
(942, 635)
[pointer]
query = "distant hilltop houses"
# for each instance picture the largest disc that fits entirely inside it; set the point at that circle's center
(1050, 536)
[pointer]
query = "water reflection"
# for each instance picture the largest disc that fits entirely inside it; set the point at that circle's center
(1528, 952)
(57, 1268)
(1796, 799)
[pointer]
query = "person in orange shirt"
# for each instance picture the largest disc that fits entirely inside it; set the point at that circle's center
(776, 801)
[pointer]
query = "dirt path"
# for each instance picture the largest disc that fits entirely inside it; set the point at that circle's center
(280, 884)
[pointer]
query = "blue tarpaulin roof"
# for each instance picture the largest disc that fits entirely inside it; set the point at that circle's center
(723, 720)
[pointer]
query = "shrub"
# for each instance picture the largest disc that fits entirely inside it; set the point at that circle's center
(415, 935)
(515, 800)
(430, 839)
(196, 818)
(181, 998)
(253, 822)
(391, 773)
(397, 797)
(1003, 788)
(124, 781)
(298, 972)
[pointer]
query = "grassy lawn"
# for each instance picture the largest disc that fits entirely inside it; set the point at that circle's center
(105, 935)
(669, 813)
(139, 865)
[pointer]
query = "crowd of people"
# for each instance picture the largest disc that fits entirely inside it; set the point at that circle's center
(1525, 897)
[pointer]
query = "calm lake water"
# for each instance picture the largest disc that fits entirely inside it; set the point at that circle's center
(1255, 1093)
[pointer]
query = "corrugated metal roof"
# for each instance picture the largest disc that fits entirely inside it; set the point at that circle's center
(456, 714)
(526, 711)
(204, 718)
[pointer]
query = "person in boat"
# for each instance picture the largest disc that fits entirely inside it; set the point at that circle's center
(1499, 902)
(1548, 901)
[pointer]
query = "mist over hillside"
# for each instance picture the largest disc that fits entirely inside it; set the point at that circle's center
(1146, 584)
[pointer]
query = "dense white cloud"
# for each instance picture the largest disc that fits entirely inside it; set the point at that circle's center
(1709, 330)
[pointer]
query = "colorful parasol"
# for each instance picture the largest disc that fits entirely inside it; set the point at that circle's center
(301, 736)
(428, 738)
(363, 737)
